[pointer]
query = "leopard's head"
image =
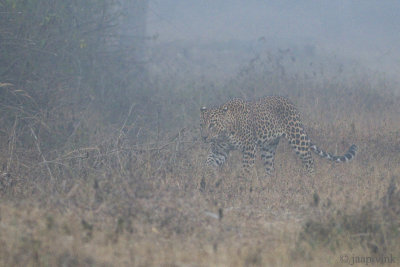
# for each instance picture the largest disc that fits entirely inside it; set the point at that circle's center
(221, 123)
(214, 123)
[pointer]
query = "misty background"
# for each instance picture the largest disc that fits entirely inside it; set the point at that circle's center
(101, 161)
(90, 67)
(366, 31)
(81, 70)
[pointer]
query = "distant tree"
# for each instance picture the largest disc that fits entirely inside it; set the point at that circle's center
(72, 53)
(129, 46)
(133, 27)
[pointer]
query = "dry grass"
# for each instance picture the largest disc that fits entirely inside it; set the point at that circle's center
(122, 202)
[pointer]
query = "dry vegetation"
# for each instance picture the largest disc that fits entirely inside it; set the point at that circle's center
(108, 170)
(119, 200)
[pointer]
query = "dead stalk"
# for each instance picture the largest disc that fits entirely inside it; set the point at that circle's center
(11, 144)
(41, 154)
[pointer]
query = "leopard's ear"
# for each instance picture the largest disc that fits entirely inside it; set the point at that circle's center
(202, 109)
(225, 109)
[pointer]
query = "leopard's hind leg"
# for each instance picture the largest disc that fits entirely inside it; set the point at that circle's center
(300, 142)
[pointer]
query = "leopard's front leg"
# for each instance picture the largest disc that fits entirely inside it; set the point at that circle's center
(248, 159)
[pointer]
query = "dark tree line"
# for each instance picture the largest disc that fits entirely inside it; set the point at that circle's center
(58, 57)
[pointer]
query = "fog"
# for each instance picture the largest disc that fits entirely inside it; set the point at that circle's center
(101, 132)
(362, 30)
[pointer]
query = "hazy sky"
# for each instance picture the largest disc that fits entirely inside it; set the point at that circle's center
(355, 23)
(362, 30)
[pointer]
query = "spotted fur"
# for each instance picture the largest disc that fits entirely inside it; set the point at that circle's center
(260, 124)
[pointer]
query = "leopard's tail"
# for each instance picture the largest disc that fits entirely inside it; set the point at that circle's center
(350, 154)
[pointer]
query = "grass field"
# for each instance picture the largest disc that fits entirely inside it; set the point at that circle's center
(136, 193)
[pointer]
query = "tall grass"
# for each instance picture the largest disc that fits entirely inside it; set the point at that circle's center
(135, 192)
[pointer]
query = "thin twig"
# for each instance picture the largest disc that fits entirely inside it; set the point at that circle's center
(121, 134)
(40, 152)
(11, 145)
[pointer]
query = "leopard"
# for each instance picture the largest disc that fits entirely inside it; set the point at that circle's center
(259, 125)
